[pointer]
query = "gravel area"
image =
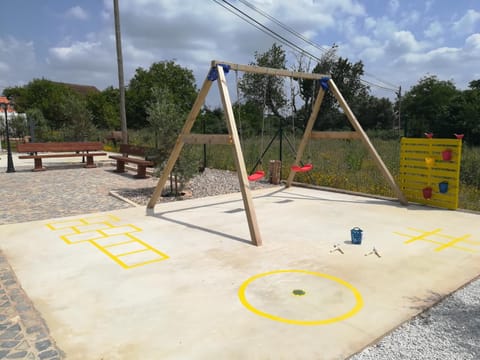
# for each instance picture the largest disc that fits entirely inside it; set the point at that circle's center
(209, 183)
(449, 330)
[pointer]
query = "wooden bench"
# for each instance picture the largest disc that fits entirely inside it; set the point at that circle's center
(138, 151)
(60, 149)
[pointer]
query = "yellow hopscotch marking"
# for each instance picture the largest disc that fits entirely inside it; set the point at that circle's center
(436, 233)
(98, 230)
(119, 243)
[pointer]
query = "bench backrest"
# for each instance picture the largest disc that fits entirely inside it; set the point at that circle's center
(60, 146)
(127, 149)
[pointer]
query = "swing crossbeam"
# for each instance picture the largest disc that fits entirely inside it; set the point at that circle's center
(268, 71)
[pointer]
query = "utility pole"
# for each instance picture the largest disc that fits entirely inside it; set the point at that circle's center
(121, 82)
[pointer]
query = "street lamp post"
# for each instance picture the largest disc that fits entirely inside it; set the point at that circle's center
(10, 167)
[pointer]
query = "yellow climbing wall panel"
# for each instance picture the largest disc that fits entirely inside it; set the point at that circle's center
(430, 171)
(112, 237)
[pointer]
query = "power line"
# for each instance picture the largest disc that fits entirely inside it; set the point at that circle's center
(385, 84)
(263, 28)
(244, 16)
(285, 27)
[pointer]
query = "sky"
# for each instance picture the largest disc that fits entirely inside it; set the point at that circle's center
(398, 41)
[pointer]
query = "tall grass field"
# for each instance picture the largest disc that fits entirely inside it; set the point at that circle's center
(344, 164)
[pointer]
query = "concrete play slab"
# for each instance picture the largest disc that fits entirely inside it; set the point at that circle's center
(187, 283)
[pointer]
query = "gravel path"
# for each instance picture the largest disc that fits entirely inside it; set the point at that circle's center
(449, 330)
(209, 183)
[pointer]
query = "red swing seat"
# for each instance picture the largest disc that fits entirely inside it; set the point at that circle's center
(257, 175)
(304, 168)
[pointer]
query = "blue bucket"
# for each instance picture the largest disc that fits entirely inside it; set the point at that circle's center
(443, 187)
(356, 234)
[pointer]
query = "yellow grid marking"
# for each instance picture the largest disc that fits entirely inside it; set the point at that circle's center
(119, 244)
(81, 237)
(127, 250)
(124, 229)
(452, 243)
(132, 252)
(67, 224)
(106, 241)
(91, 227)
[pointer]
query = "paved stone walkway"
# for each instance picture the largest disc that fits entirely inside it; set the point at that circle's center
(27, 196)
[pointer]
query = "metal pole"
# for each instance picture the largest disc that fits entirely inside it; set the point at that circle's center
(10, 167)
(204, 146)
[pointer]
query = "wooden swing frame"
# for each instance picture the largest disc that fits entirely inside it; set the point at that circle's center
(217, 73)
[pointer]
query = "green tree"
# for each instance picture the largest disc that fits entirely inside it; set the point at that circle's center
(178, 80)
(347, 77)
(464, 116)
(425, 107)
(166, 122)
(79, 126)
(266, 91)
(210, 121)
(474, 84)
(39, 125)
(18, 126)
(47, 96)
(375, 113)
(104, 108)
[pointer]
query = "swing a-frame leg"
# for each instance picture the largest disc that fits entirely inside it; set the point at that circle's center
(358, 133)
(232, 139)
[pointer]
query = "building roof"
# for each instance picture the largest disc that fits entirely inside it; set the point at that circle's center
(4, 100)
(80, 89)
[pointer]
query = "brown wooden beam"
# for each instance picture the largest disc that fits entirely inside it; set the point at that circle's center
(269, 71)
(239, 160)
(368, 144)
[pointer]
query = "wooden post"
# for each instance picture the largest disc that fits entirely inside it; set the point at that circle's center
(306, 134)
(364, 137)
(239, 161)
(187, 127)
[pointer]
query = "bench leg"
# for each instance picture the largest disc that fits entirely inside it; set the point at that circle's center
(90, 163)
(38, 165)
(120, 166)
(141, 172)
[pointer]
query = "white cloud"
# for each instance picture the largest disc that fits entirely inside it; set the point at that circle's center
(434, 30)
(466, 25)
(370, 23)
(77, 12)
(384, 28)
(472, 45)
(18, 60)
(403, 42)
(84, 62)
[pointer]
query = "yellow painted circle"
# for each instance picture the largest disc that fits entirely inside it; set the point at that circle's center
(356, 308)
